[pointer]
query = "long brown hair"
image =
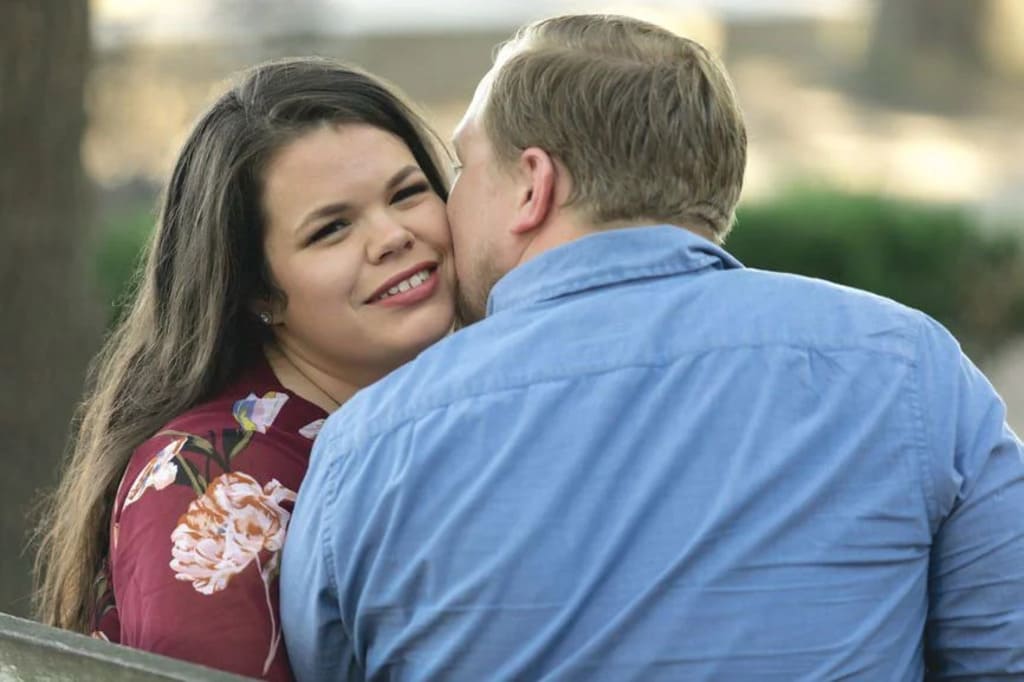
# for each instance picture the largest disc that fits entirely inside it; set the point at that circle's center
(190, 330)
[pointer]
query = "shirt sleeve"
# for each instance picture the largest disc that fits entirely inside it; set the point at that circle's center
(197, 548)
(319, 644)
(975, 623)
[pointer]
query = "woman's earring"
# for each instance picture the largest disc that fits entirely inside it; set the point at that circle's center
(266, 318)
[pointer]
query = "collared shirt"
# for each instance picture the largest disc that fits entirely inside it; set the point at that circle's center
(651, 463)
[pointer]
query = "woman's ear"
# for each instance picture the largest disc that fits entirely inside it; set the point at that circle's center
(539, 175)
(265, 311)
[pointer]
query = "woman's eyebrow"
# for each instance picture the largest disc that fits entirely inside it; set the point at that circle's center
(342, 206)
(324, 211)
(401, 175)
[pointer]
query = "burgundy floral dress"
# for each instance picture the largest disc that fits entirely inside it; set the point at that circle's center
(197, 530)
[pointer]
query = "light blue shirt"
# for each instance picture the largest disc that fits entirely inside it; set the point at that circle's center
(650, 463)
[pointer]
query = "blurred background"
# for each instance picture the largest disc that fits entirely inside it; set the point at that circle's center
(886, 152)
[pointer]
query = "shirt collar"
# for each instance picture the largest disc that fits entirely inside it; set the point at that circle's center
(607, 257)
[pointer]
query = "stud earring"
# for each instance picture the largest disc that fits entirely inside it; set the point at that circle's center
(266, 318)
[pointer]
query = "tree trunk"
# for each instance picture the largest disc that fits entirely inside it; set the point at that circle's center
(50, 323)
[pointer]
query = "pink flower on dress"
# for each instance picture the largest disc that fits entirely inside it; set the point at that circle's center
(225, 530)
(257, 414)
(311, 429)
(158, 473)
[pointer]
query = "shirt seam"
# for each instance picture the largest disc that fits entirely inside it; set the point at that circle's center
(624, 276)
(517, 385)
(921, 433)
(330, 494)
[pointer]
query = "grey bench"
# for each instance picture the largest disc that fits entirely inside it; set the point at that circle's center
(30, 651)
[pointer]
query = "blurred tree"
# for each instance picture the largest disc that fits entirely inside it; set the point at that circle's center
(931, 51)
(950, 27)
(50, 322)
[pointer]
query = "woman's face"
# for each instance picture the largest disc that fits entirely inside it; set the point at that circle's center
(358, 241)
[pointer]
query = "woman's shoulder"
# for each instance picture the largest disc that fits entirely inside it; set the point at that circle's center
(254, 402)
(202, 512)
(253, 430)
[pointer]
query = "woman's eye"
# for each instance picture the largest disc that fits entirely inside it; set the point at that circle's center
(410, 191)
(329, 229)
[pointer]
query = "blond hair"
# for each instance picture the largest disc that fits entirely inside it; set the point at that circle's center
(646, 122)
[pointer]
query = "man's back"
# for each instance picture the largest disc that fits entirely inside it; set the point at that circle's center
(649, 463)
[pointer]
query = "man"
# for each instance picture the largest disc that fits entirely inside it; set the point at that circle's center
(646, 461)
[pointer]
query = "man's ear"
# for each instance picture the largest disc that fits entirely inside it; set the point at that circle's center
(537, 198)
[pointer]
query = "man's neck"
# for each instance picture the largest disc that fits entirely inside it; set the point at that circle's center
(553, 236)
(565, 228)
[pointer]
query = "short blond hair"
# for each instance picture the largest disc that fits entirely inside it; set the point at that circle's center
(645, 121)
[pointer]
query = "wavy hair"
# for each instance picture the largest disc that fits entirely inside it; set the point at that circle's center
(189, 330)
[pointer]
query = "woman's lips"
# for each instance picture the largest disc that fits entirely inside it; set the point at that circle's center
(411, 296)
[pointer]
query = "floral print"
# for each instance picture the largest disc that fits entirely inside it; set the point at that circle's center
(257, 414)
(158, 474)
(226, 529)
(234, 523)
(311, 429)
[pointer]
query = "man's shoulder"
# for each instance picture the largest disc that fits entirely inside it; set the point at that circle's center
(733, 308)
(821, 309)
(431, 382)
(788, 288)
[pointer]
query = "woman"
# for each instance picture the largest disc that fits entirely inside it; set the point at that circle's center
(302, 253)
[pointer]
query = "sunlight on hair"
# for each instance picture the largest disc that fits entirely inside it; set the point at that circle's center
(695, 23)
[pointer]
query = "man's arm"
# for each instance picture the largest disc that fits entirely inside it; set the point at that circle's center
(319, 647)
(975, 624)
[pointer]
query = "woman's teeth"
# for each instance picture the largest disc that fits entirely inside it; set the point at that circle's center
(406, 284)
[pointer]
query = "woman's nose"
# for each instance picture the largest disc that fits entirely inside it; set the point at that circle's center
(389, 238)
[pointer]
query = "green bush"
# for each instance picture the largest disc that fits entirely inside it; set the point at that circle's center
(928, 257)
(118, 257)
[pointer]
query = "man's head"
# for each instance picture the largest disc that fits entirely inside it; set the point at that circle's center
(586, 122)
